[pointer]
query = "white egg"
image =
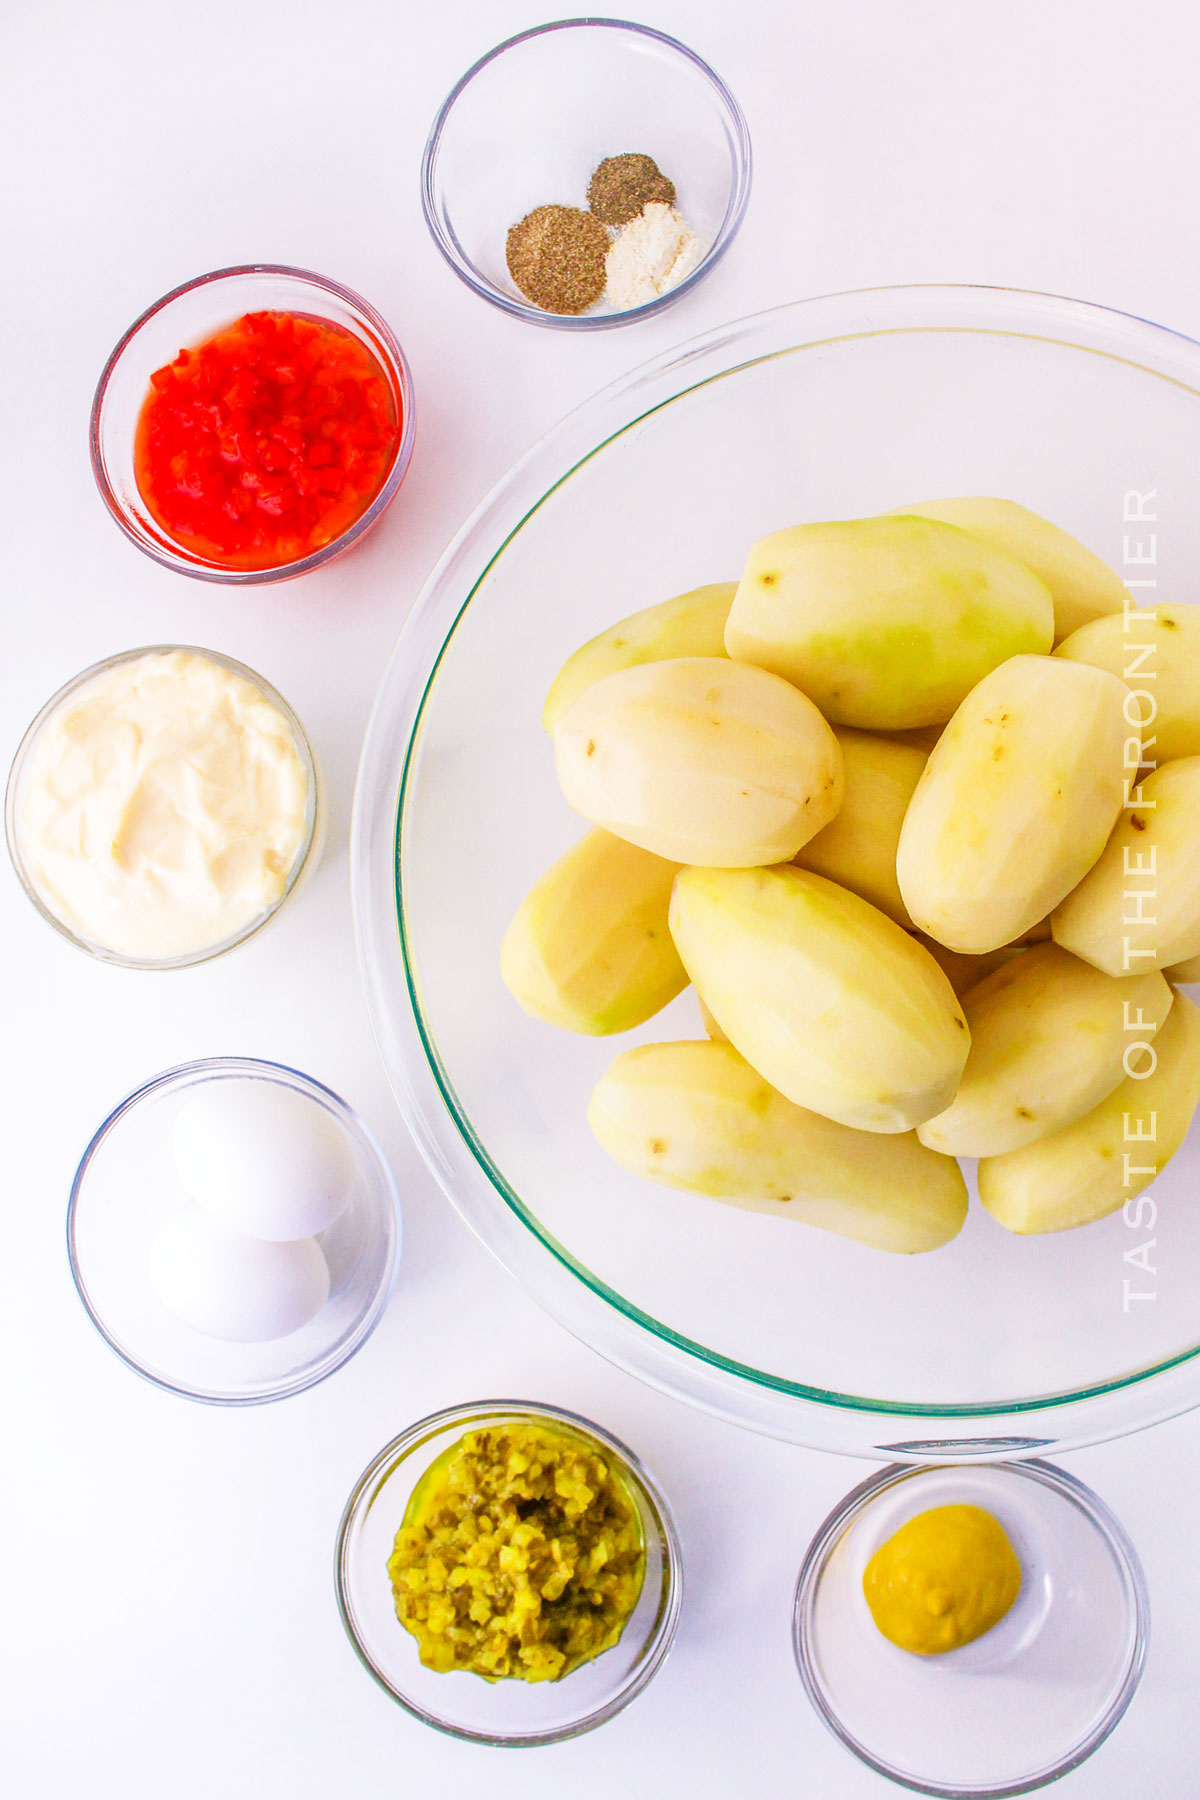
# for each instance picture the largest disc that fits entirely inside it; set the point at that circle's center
(230, 1286)
(262, 1158)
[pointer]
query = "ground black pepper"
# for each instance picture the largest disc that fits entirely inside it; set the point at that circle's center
(622, 185)
(555, 254)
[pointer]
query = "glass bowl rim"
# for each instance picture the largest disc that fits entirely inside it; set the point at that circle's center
(856, 1502)
(399, 376)
(313, 805)
(739, 197)
(472, 1412)
(704, 1377)
(214, 1067)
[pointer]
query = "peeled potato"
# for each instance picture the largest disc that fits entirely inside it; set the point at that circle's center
(857, 848)
(1038, 933)
(1083, 586)
(1158, 654)
(1016, 802)
(965, 972)
(710, 1024)
(1139, 907)
(1048, 1042)
(701, 760)
(922, 737)
(833, 1003)
(697, 1116)
(885, 623)
(1092, 1167)
(692, 624)
(965, 830)
(590, 949)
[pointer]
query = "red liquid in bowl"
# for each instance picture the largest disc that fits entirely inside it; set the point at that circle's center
(267, 441)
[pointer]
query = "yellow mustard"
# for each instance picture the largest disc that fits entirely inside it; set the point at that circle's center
(942, 1580)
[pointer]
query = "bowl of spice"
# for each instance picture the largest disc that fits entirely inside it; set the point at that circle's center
(586, 174)
(252, 424)
(509, 1573)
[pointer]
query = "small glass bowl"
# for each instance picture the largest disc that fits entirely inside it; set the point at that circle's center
(528, 123)
(514, 1714)
(1023, 1704)
(187, 316)
(307, 856)
(126, 1185)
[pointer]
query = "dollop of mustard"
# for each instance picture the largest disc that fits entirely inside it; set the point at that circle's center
(942, 1580)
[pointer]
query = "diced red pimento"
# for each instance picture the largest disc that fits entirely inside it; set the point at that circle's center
(266, 442)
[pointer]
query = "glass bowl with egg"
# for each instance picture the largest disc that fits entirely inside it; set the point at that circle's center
(233, 1231)
(162, 806)
(527, 127)
(508, 1711)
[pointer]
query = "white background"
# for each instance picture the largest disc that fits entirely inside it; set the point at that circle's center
(168, 1625)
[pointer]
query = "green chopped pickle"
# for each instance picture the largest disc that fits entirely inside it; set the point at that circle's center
(520, 1555)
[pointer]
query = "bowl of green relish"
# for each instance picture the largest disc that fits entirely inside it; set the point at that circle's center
(509, 1573)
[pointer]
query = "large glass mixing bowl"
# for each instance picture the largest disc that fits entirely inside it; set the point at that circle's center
(829, 408)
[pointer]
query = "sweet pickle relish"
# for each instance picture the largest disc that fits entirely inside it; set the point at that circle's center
(520, 1555)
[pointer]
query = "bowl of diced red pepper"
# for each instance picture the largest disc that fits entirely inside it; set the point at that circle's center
(252, 425)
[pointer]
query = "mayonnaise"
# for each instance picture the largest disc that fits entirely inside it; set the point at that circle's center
(162, 806)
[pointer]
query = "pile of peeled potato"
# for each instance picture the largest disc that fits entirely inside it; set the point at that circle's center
(915, 807)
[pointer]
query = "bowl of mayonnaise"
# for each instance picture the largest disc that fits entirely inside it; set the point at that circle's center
(162, 806)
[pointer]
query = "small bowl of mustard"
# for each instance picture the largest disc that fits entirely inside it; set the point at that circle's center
(938, 1671)
(511, 1574)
